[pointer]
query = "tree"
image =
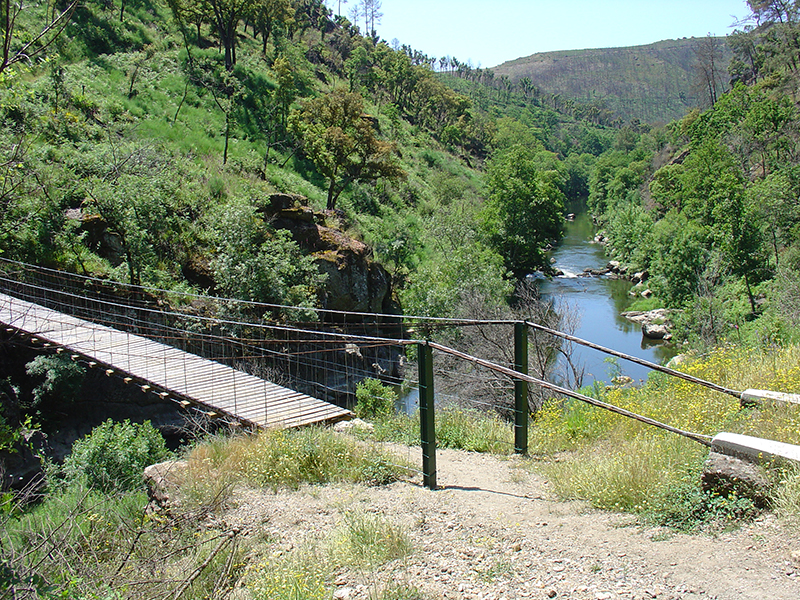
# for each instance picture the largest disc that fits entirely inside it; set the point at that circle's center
(708, 55)
(268, 13)
(372, 15)
(525, 210)
(777, 29)
(21, 46)
(225, 15)
(340, 140)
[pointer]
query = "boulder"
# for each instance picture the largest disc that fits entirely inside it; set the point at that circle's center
(655, 323)
(649, 316)
(348, 426)
(280, 201)
(655, 331)
(163, 480)
(726, 476)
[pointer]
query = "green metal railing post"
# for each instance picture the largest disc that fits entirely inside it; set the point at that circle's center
(427, 428)
(521, 388)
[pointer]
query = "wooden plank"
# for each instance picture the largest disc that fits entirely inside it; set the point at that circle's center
(304, 412)
(208, 384)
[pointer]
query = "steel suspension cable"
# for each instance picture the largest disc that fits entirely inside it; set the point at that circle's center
(640, 361)
(702, 439)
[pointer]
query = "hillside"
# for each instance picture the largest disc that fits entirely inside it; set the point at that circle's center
(656, 83)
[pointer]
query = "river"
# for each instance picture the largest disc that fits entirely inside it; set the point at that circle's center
(598, 302)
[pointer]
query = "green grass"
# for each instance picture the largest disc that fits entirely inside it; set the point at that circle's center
(620, 464)
(285, 459)
(367, 541)
(458, 428)
(363, 544)
(83, 544)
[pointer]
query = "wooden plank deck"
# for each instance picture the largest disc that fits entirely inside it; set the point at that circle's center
(184, 376)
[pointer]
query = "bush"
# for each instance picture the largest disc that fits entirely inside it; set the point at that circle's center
(63, 378)
(286, 459)
(374, 400)
(114, 455)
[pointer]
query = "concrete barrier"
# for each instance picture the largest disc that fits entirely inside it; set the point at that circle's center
(755, 397)
(754, 449)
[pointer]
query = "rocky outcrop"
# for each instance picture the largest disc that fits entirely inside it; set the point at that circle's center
(355, 281)
(728, 476)
(163, 481)
(98, 236)
(655, 323)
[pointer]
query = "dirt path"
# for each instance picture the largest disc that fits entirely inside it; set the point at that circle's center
(493, 532)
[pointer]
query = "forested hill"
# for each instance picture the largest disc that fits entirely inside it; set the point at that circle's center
(656, 83)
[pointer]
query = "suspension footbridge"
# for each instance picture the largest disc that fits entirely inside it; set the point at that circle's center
(219, 390)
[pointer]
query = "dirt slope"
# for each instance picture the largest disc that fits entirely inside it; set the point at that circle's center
(493, 532)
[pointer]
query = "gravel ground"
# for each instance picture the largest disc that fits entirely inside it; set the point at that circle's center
(493, 532)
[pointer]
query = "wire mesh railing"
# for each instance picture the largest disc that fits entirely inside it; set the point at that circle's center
(327, 354)
(325, 359)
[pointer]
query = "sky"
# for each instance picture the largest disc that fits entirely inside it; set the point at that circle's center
(490, 32)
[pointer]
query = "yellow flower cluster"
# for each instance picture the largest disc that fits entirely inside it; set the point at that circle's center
(616, 462)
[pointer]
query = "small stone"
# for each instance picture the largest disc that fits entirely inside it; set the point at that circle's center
(796, 557)
(516, 547)
(551, 593)
(344, 593)
(602, 596)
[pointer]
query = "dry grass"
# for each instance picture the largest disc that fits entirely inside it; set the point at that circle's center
(618, 463)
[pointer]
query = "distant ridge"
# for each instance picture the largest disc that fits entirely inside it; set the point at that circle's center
(656, 83)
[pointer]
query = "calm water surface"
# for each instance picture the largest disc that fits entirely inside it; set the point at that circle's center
(598, 301)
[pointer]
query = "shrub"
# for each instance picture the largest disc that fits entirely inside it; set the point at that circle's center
(62, 377)
(278, 459)
(374, 400)
(113, 456)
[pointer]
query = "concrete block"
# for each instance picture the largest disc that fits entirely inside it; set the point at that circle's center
(754, 449)
(751, 397)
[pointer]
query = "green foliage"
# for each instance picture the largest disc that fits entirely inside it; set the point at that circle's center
(256, 264)
(525, 210)
(10, 432)
(680, 261)
(63, 378)
(342, 143)
(289, 458)
(114, 455)
(685, 507)
(446, 287)
(628, 230)
(374, 400)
